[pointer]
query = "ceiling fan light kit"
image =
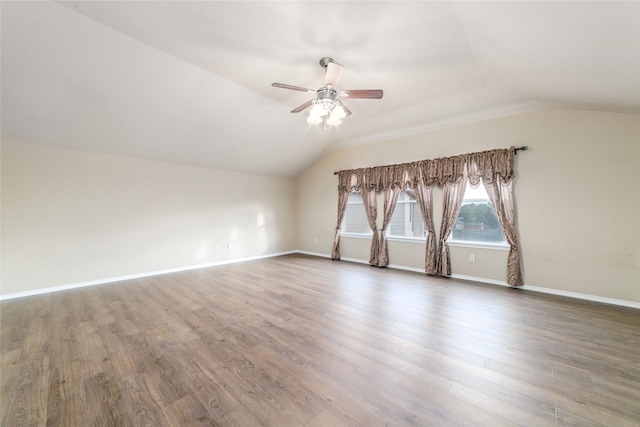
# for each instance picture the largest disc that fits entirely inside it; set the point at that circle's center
(327, 108)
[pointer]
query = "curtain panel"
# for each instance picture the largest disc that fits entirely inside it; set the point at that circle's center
(494, 168)
(390, 200)
(343, 197)
(425, 204)
(501, 196)
(371, 209)
(452, 200)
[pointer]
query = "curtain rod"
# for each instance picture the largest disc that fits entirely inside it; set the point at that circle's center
(523, 148)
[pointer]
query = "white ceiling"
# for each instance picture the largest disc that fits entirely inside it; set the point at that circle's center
(190, 82)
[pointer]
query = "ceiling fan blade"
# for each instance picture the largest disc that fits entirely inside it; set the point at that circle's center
(362, 93)
(332, 74)
(303, 106)
(284, 86)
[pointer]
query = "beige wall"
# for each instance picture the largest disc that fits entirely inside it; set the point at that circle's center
(577, 193)
(70, 216)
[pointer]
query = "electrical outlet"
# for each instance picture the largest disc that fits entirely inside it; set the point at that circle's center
(229, 245)
(215, 247)
(315, 240)
(472, 257)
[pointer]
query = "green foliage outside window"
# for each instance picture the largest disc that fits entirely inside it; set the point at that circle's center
(478, 222)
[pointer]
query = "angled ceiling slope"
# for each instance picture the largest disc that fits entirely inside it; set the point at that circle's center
(189, 82)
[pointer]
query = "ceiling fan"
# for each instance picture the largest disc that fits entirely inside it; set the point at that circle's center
(327, 107)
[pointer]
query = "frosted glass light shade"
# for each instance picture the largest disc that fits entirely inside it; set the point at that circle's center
(318, 110)
(338, 112)
(314, 120)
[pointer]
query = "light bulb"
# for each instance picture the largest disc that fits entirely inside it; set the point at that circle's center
(318, 110)
(338, 112)
(314, 120)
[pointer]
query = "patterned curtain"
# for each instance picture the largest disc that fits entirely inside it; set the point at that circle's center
(347, 182)
(425, 203)
(494, 168)
(343, 197)
(501, 196)
(453, 193)
(390, 200)
(371, 209)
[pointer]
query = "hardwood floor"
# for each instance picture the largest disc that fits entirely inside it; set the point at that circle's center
(304, 341)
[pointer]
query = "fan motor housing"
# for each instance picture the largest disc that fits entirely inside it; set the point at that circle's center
(326, 93)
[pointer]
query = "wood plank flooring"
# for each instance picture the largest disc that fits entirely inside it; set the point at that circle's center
(303, 341)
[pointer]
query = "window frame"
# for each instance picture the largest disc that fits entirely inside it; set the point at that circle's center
(367, 235)
(503, 246)
(392, 237)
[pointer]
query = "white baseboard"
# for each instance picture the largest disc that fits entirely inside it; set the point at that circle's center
(313, 254)
(541, 289)
(362, 261)
(132, 276)
(588, 297)
(482, 280)
(577, 295)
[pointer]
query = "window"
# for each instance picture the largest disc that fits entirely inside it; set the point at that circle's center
(406, 220)
(477, 221)
(355, 218)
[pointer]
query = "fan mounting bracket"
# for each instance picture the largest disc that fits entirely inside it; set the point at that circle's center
(326, 61)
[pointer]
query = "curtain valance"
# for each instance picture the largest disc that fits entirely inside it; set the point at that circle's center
(487, 165)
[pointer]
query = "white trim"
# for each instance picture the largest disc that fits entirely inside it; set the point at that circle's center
(356, 260)
(356, 236)
(588, 297)
(477, 245)
(457, 243)
(422, 240)
(551, 291)
(394, 266)
(405, 268)
(540, 289)
(576, 295)
(569, 294)
(312, 254)
(131, 276)
(483, 280)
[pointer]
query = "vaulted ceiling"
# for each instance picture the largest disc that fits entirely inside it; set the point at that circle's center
(190, 82)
